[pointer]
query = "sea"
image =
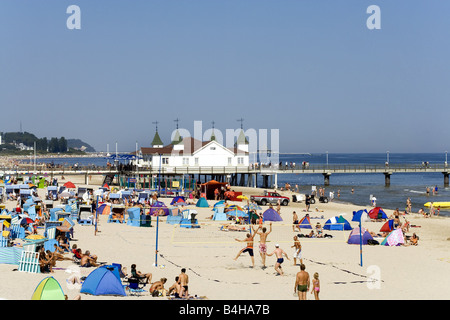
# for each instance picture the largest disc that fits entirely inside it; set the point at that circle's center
(402, 186)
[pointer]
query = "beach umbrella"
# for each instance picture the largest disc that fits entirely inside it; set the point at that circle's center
(26, 221)
(233, 207)
(35, 237)
(48, 289)
(238, 213)
(69, 185)
(65, 194)
(242, 197)
(253, 206)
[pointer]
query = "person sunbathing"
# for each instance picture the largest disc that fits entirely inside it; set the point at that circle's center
(59, 254)
(88, 261)
(232, 227)
(139, 275)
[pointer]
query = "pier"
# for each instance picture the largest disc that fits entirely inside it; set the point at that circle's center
(235, 175)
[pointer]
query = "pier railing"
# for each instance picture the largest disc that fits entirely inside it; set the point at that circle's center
(263, 169)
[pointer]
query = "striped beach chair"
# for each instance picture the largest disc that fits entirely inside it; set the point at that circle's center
(29, 262)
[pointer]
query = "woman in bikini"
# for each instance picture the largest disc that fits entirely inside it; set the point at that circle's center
(316, 286)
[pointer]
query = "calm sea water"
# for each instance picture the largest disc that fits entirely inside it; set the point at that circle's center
(412, 185)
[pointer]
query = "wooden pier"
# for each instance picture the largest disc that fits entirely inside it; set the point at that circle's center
(242, 176)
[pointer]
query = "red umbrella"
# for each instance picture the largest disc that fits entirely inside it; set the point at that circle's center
(26, 221)
(69, 185)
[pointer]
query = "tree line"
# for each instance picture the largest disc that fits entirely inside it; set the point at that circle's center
(54, 145)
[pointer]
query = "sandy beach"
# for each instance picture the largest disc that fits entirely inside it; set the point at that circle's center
(405, 272)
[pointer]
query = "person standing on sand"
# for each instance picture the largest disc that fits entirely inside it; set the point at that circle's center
(262, 242)
(183, 278)
(295, 222)
(249, 247)
(316, 286)
(279, 254)
(302, 283)
(297, 251)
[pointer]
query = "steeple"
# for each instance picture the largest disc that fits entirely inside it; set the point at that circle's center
(242, 142)
(177, 138)
(213, 136)
(157, 142)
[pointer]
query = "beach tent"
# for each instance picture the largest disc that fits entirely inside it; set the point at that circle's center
(377, 213)
(394, 238)
(177, 199)
(388, 226)
(104, 209)
(158, 205)
(271, 215)
(48, 289)
(337, 223)
(102, 281)
(361, 216)
(305, 222)
(202, 203)
(354, 237)
(210, 186)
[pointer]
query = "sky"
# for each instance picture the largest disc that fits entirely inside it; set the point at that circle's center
(311, 69)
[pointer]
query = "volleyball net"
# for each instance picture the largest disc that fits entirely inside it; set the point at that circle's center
(221, 232)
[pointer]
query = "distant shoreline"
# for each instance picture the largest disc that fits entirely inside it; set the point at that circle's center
(56, 156)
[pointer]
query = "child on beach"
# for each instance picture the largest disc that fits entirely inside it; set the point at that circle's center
(316, 286)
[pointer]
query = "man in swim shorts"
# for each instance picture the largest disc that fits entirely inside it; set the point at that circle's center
(279, 254)
(248, 248)
(302, 283)
(262, 242)
(297, 251)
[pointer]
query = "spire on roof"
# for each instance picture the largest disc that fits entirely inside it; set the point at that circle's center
(157, 142)
(177, 138)
(213, 136)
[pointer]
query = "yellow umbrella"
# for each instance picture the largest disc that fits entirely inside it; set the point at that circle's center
(35, 237)
(242, 197)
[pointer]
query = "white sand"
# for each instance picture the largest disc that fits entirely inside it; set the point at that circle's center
(405, 272)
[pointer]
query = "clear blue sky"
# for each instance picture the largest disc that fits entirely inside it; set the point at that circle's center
(309, 68)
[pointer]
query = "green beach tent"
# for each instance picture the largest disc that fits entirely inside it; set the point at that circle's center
(48, 289)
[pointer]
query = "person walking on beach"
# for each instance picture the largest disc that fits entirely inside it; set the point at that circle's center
(297, 251)
(248, 248)
(279, 254)
(301, 283)
(262, 242)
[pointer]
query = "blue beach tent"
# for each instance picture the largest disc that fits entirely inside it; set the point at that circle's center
(202, 203)
(361, 216)
(305, 222)
(337, 223)
(103, 281)
(271, 215)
